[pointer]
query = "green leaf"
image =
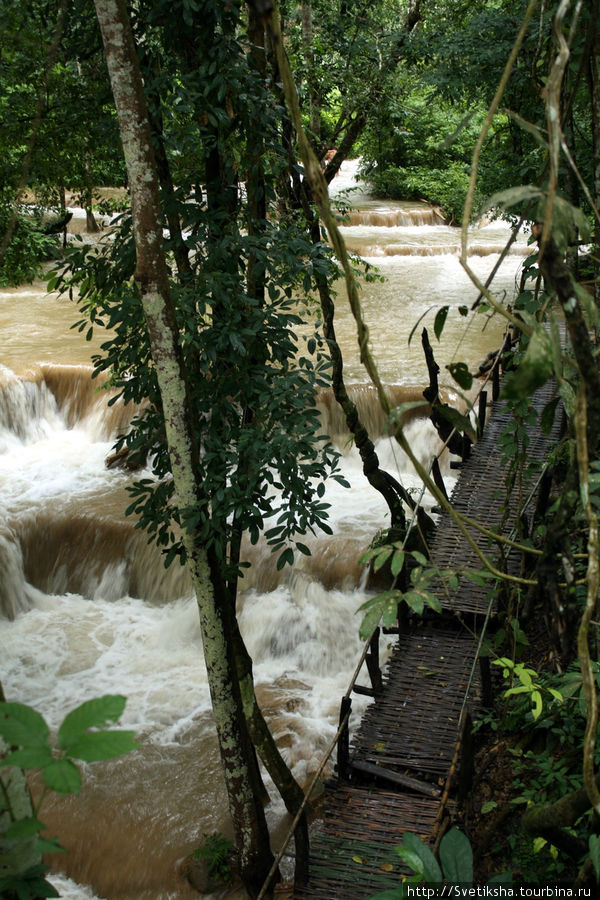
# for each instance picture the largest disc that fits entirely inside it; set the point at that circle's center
(530, 127)
(587, 302)
(477, 576)
(416, 601)
(397, 563)
(556, 346)
(458, 420)
(411, 858)
(23, 829)
(440, 321)
(594, 845)
(97, 745)
(456, 857)
(548, 414)
(390, 608)
(397, 414)
(419, 557)
(62, 776)
(22, 726)
(287, 557)
(460, 373)
(28, 885)
(514, 196)
(416, 325)
(382, 557)
(302, 548)
(370, 622)
(568, 397)
(534, 371)
(91, 714)
(432, 601)
(49, 845)
(29, 757)
(431, 869)
(536, 700)
(488, 806)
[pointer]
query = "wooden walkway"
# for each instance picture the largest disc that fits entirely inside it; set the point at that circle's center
(407, 760)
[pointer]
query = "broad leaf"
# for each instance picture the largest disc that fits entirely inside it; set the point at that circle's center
(416, 601)
(23, 829)
(398, 412)
(594, 844)
(97, 745)
(62, 776)
(456, 857)
(390, 608)
(397, 563)
(458, 420)
(440, 321)
(535, 369)
(91, 714)
(29, 757)
(370, 622)
(22, 726)
(460, 373)
(411, 858)
(431, 869)
(548, 414)
(514, 196)
(49, 845)
(382, 557)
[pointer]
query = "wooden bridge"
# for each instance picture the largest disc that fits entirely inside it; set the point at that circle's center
(409, 761)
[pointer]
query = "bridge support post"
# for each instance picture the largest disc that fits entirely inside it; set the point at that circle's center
(437, 477)
(481, 413)
(496, 381)
(343, 747)
(372, 661)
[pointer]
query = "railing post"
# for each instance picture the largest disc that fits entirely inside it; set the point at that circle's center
(372, 661)
(302, 846)
(466, 447)
(437, 477)
(496, 380)
(481, 413)
(343, 747)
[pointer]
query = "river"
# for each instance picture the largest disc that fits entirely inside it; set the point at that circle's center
(89, 610)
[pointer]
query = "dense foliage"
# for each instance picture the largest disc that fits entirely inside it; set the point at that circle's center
(245, 255)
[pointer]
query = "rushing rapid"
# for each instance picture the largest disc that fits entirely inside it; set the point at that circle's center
(88, 608)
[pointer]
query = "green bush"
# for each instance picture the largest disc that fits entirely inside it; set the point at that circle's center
(27, 743)
(216, 853)
(445, 187)
(27, 249)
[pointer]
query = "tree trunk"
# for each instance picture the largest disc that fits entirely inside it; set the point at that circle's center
(594, 82)
(309, 59)
(151, 275)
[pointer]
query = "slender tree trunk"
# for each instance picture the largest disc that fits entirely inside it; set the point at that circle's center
(152, 278)
(309, 58)
(594, 82)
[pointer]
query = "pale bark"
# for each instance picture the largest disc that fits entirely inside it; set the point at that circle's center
(152, 279)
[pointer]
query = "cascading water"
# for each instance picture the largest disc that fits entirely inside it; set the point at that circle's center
(89, 609)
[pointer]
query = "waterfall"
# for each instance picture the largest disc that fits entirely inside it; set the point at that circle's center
(88, 608)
